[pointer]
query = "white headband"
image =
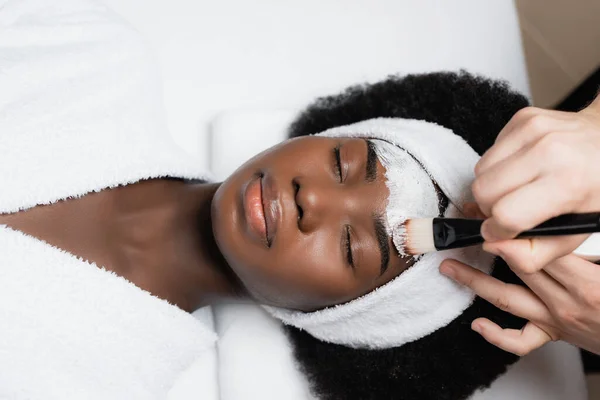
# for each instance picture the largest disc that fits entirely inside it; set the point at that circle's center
(420, 300)
(412, 192)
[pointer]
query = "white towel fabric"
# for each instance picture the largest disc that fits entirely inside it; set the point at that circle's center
(420, 300)
(73, 331)
(80, 110)
(80, 104)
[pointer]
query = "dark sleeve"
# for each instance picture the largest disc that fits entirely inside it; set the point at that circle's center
(454, 361)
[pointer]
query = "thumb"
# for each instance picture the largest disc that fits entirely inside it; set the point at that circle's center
(530, 255)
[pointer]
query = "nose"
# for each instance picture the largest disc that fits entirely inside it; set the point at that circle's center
(320, 203)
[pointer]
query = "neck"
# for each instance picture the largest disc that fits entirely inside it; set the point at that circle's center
(199, 259)
(167, 243)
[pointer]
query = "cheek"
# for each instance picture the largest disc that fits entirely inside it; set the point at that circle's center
(305, 272)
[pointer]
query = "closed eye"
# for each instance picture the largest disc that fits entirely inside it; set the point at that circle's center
(298, 208)
(338, 162)
(348, 246)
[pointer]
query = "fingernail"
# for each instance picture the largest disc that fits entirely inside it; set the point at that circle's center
(447, 269)
(477, 328)
(487, 233)
(491, 248)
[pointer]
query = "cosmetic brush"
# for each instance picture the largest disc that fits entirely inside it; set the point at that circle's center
(424, 235)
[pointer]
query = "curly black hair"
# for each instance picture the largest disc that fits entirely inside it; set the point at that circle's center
(452, 362)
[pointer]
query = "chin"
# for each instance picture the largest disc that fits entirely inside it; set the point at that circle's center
(223, 216)
(226, 226)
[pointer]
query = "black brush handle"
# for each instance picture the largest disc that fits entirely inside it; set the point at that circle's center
(568, 224)
(450, 233)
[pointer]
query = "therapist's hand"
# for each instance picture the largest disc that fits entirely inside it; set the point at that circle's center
(543, 164)
(562, 303)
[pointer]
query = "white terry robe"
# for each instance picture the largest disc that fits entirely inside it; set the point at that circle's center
(80, 111)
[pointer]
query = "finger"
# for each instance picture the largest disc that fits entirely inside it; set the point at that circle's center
(546, 288)
(529, 125)
(593, 107)
(524, 116)
(573, 272)
(505, 176)
(511, 298)
(520, 118)
(527, 207)
(530, 255)
(472, 210)
(516, 341)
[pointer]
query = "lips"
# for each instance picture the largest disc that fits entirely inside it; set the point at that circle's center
(271, 207)
(262, 209)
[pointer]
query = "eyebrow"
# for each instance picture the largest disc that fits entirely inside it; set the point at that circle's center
(382, 241)
(371, 173)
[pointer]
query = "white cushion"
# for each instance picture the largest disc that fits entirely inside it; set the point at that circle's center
(237, 136)
(255, 357)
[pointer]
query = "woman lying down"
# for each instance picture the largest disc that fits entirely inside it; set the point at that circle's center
(110, 236)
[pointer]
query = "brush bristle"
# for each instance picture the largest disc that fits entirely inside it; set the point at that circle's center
(419, 236)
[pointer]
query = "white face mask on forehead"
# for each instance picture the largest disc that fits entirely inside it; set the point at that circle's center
(412, 192)
(420, 300)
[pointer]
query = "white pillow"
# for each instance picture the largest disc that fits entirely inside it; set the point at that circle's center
(236, 136)
(255, 357)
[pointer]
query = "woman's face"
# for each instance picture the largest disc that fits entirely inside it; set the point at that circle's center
(302, 224)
